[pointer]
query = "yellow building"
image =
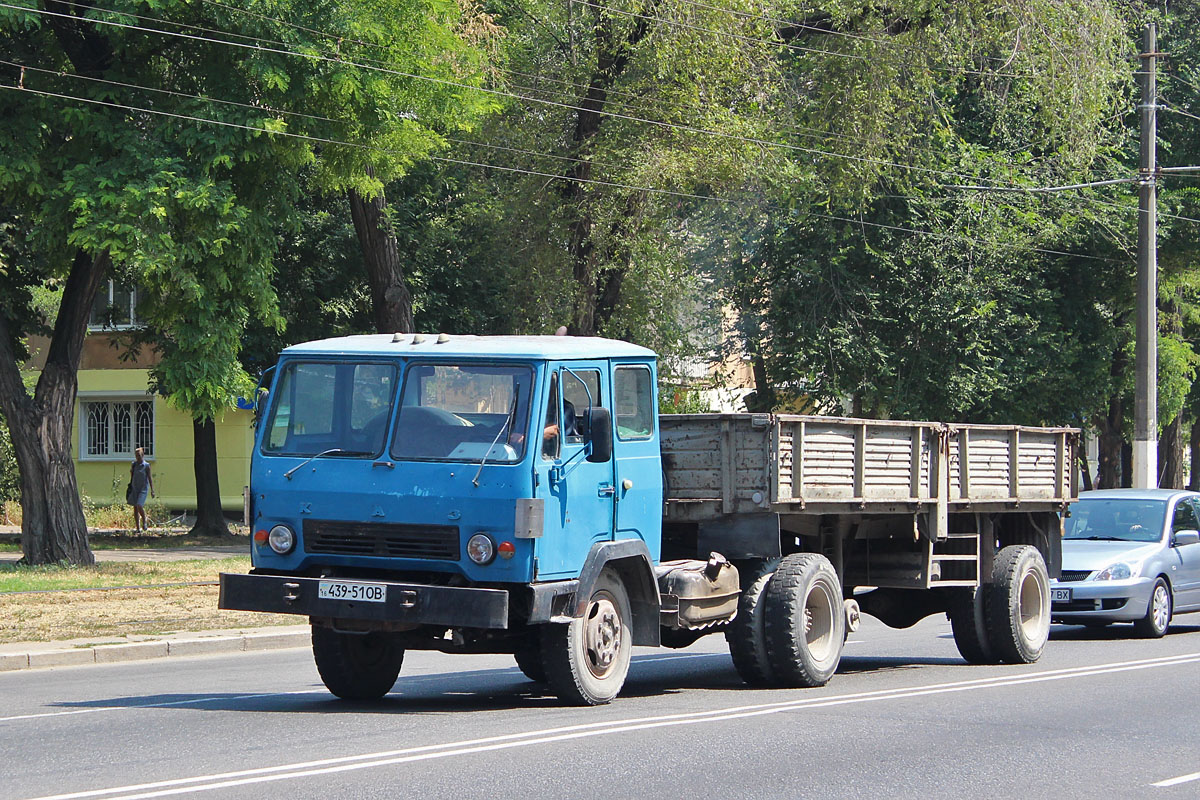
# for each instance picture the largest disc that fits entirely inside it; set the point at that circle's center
(115, 413)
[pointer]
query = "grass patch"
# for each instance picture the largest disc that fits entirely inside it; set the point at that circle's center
(121, 612)
(21, 578)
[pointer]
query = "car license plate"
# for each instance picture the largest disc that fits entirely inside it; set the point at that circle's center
(349, 590)
(1060, 595)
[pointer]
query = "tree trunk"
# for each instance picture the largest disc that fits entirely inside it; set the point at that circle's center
(1170, 455)
(391, 302)
(52, 526)
(1109, 440)
(1194, 474)
(210, 518)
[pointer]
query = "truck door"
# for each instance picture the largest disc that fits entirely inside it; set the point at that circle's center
(579, 494)
(637, 460)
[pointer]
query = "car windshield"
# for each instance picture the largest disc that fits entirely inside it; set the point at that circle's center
(338, 409)
(463, 412)
(1127, 520)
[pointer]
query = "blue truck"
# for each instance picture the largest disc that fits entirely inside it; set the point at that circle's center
(522, 495)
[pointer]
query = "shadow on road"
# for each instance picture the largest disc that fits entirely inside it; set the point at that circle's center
(491, 689)
(1116, 631)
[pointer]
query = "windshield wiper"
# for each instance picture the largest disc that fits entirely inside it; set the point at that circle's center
(331, 451)
(1099, 538)
(512, 414)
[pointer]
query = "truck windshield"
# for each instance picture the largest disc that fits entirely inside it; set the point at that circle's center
(463, 412)
(323, 407)
(1128, 520)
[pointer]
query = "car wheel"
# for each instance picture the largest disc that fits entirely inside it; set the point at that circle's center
(1158, 615)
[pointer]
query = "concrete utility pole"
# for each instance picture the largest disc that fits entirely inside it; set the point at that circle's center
(1145, 388)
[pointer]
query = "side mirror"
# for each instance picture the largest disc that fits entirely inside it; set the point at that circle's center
(599, 434)
(1186, 537)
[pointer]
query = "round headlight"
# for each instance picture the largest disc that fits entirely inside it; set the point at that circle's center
(281, 539)
(481, 549)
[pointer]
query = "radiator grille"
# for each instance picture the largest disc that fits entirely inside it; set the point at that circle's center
(384, 540)
(1069, 575)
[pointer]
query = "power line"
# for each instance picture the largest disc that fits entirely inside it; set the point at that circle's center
(772, 43)
(1178, 111)
(251, 106)
(496, 92)
(547, 175)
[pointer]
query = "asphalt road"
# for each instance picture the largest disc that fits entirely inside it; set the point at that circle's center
(1101, 715)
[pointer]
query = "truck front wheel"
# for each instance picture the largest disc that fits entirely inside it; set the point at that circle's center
(587, 659)
(1018, 605)
(357, 666)
(805, 622)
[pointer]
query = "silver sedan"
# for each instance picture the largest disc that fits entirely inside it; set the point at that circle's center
(1129, 555)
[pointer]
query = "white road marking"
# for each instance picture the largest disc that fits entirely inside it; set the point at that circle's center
(225, 780)
(1195, 776)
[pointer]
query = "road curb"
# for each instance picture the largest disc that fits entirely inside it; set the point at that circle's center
(41, 656)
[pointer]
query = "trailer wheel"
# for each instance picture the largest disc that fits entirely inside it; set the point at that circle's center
(587, 659)
(804, 620)
(745, 635)
(968, 620)
(529, 659)
(357, 666)
(1018, 605)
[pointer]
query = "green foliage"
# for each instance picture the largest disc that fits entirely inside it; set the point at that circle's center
(10, 479)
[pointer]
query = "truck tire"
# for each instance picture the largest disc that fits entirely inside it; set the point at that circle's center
(357, 666)
(529, 659)
(968, 621)
(1017, 605)
(745, 635)
(587, 659)
(804, 621)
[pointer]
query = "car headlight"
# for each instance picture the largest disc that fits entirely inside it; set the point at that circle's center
(1119, 571)
(481, 549)
(282, 539)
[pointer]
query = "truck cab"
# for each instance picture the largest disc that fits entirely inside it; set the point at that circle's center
(458, 493)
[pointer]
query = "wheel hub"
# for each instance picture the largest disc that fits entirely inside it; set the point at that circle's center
(602, 635)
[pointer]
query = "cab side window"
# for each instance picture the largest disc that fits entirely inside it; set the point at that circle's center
(1185, 517)
(580, 388)
(634, 401)
(551, 428)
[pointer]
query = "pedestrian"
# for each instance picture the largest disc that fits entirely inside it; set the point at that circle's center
(142, 483)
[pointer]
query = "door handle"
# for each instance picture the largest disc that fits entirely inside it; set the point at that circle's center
(606, 490)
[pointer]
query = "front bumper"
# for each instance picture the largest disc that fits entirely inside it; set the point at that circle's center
(408, 603)
(1112, 601)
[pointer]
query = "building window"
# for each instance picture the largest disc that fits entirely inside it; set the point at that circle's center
(115, 428)
(115, 308)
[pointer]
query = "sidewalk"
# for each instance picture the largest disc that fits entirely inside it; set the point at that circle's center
(75, 652)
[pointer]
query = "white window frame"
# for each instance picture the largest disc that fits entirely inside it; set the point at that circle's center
(86, 398)
(110, 287)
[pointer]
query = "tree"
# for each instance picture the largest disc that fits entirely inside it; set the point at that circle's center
(107, 186)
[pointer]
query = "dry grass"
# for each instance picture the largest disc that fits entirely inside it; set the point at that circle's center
(98, 515)
(55, 611)
(116, 613)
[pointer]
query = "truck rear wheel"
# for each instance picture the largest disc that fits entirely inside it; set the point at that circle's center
(357, 666)
(745, 635)
(587, 659)
(968, 620)
(1018, 605)
(805, 621)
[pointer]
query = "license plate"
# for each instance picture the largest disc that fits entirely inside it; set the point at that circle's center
(1060, 595)
(349, 590)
